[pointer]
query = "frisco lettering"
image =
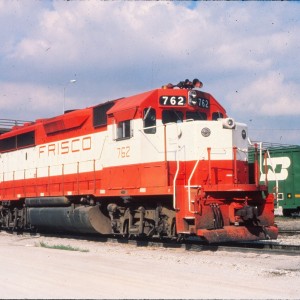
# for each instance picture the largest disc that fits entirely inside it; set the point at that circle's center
(66, 147)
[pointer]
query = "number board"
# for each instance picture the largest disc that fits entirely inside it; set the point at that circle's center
(203, 103)
(172, 100)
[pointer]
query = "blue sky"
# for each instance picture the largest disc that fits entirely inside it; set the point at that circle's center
(245, 53)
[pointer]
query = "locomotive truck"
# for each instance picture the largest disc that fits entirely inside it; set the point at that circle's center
(164, 163)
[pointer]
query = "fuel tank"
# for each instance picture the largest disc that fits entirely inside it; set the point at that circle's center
(82, 219)
(47, 202)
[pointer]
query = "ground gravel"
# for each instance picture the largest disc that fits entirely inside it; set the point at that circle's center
(123, 271)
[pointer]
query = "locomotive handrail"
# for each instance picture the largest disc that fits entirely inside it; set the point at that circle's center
(43, 167)
(29, 173)
(177, 163)
(8, 123)
(260, 157)
(175, 178)
(165, 156)
(257, 171)
(260, 164)
(209, 172)
(165, 137)
(189, 186)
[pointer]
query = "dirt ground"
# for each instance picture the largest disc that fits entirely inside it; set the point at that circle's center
(112, 270)
(288, 223)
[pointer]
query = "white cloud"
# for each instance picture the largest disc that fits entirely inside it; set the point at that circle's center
(118, 48)
(110, 35)
(27, 101)
(270, 95)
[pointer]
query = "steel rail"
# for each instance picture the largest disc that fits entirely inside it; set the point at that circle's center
(192, 244)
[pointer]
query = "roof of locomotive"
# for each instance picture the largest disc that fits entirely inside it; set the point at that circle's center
(131, 101)
(121, 104)
(149, 97)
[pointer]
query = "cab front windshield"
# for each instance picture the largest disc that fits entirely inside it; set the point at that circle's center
(177, 116)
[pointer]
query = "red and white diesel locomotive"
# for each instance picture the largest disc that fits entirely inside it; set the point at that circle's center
(167, 163)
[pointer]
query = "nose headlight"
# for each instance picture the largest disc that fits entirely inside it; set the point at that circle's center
(228, 123)
(193, 98)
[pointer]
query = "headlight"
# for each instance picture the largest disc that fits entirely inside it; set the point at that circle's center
(228, 123)
(193, 98)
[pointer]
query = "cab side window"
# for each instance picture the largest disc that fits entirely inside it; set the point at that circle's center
(149, 120)
(124, 130)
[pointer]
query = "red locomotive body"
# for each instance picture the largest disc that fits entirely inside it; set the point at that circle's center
(168, 162)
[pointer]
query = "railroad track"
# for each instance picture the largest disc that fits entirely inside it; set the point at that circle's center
(262, 247)
(289, 232)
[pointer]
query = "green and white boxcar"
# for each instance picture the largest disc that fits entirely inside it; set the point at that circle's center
(283, 175)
